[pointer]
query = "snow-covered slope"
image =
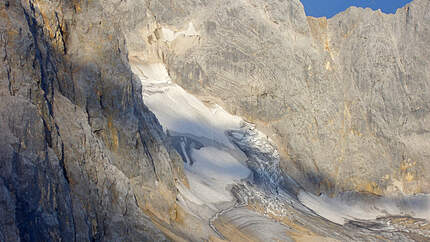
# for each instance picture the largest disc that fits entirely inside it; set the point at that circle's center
(221, 150)
(179, 111)
(350, 206)
(212, 168)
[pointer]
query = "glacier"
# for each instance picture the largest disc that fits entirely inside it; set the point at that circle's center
(229, 162)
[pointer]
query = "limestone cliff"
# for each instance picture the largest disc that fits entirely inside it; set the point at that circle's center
(82, 158)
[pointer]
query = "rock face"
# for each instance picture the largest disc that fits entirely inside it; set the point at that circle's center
(347, 101)
(82, 158)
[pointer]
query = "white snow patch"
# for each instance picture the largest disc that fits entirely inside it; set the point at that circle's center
(169, 35)
(342, 208)
(213, 169)
(180, 111)
(151, 73)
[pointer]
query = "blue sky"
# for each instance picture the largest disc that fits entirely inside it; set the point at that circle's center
(329, 8)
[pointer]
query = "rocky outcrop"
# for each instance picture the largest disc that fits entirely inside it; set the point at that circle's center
(82, 158)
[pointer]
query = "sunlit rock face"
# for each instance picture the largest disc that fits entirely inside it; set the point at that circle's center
(193, 120)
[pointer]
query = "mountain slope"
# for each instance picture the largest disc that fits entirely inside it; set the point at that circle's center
(193, 120)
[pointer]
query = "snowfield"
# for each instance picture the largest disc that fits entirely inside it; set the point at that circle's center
(210, 169)
(216, 164)
(348, 206)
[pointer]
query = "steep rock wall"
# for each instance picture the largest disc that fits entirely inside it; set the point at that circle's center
(82, 158)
